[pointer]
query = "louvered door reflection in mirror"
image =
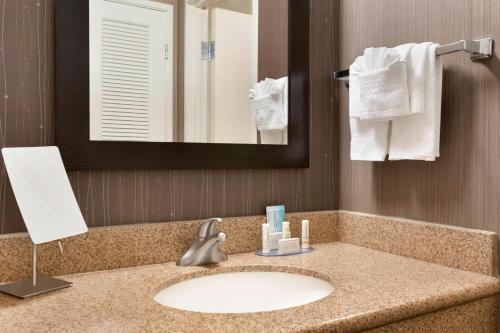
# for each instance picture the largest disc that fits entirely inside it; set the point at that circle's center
(198, 71)
(131, 73)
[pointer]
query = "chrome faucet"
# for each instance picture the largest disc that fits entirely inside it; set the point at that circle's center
(205, 249)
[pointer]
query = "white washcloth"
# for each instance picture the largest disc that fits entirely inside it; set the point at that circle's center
(369, 138)
(270, 104)
(383, 90)
(416, 137)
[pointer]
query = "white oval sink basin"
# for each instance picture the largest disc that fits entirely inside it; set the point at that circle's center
(244, 292)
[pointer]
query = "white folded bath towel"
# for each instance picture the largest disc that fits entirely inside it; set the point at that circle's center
(416, 137)
(383, 90)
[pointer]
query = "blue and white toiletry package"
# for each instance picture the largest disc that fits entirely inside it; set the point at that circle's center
(275, 217)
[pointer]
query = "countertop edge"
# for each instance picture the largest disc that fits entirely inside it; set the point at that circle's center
(377, 318)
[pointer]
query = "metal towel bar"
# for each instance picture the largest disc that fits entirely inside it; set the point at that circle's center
(479, 49)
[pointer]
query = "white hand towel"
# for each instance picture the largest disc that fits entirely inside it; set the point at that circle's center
(369, 138)
(416, 137)
(383, 90)
(378, 92)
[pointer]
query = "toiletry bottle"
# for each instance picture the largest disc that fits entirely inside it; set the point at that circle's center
(286, 230)
(305, 234)
(265, 238)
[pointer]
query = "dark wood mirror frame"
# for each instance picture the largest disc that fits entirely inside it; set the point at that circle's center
(72, 109)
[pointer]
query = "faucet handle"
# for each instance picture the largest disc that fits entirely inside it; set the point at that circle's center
(221, 237)
(207, 228)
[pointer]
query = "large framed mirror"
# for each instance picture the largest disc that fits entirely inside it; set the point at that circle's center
(152, 84)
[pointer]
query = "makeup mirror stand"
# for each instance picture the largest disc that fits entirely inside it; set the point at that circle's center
(36, 285)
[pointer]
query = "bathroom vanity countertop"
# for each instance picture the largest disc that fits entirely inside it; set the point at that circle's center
(372, 288)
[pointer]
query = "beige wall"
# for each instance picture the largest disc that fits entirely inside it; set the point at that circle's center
(232, 119)
(242, 6)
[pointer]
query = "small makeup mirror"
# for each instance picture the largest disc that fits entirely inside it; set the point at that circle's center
(47, 204)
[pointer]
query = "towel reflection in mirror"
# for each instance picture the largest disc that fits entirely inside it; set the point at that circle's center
(270, 104)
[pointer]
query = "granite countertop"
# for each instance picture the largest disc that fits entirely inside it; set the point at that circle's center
(371, 288)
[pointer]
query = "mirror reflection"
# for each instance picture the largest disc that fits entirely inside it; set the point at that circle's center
(206, 71)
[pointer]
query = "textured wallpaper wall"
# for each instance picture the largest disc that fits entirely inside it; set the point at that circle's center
(124, 197)
(463, 186)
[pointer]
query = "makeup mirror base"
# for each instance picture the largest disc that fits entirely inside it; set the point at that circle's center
(26, 288)
(35, 285)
